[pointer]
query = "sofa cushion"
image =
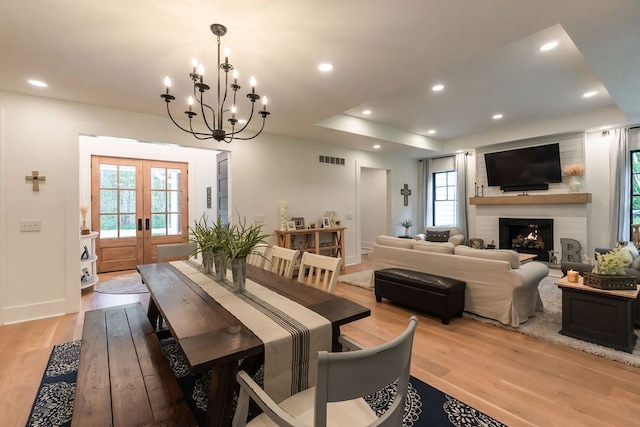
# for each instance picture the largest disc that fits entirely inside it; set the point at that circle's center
(442, 248)
(498, 254)
(631, 251)
(456, 239)
(396, 242)
(437, 236)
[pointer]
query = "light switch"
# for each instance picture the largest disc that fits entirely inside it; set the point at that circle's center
(349, 215)
(259, 218)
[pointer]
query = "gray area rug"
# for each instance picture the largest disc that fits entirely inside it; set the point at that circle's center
(545, 325)
(363, 279)
(125, 284)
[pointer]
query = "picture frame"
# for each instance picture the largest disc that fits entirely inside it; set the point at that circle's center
(86, 276)
(299, 223)
(291, 225)
(326, 222)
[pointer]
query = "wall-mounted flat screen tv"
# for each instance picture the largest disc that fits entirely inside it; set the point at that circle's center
(531, 168)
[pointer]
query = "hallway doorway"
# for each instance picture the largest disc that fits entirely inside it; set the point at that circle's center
(135, 205)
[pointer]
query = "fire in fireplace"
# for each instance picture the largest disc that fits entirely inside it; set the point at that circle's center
(527, 235)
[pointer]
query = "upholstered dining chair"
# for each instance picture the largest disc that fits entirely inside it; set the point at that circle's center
(323, 271)
(174, 251)
(336, 399)
(283, 261)
(260, 255)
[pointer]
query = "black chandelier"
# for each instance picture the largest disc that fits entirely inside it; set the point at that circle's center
(213, 119)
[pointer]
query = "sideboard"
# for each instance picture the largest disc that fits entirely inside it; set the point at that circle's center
(325, 241)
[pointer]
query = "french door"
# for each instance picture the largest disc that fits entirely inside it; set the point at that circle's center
(135, 206)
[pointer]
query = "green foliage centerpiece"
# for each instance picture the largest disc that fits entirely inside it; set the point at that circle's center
(210, 240)
(240, 241)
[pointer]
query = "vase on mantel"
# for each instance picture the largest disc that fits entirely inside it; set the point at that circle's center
(575, 186)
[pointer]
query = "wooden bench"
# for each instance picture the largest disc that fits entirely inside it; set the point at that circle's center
(124, 378)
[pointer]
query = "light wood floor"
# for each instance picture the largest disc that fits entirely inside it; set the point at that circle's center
(516, 379)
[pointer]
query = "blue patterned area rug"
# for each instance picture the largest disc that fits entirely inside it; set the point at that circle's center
(53, 406)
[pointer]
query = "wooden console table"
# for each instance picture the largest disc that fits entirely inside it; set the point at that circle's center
(600, 316)
(308, 240)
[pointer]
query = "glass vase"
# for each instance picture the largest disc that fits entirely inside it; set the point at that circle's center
(207, 262)
(574, 184)
(221, 266)
(239, 272)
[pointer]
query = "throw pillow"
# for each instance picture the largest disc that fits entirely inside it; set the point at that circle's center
(636, 263)
(438, 236)
(631, 252)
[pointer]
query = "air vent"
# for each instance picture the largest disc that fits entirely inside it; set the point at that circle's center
(331, 160)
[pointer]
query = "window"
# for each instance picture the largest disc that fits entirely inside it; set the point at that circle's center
(444, 198)
(635, 187)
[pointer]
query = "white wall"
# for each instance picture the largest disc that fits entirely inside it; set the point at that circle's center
(39, 270)
(373, 199)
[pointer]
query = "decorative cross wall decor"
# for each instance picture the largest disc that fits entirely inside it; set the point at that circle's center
(35, 180)
(406, 193)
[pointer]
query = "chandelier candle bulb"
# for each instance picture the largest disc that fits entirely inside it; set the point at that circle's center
(253, 84)
(226, 55)
(194, 63)
(167, 83)
(264, 103)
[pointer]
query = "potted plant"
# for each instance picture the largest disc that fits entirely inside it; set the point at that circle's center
(407, 224)
(209, 239)
(240, 241)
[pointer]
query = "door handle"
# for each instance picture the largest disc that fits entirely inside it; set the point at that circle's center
(146, 221)
(139, 224)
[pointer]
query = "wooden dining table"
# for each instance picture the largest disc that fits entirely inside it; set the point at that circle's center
(211, 338)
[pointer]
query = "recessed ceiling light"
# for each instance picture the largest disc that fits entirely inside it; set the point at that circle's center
(242, 121)
(431, 131)
(377, 146)
(38, 83)
(325, 67)
(589, 94)
(548, 46)
(437, 88)
(366, 112)
(497, 116)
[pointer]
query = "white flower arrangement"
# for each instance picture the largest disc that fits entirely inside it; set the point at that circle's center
(612, 263)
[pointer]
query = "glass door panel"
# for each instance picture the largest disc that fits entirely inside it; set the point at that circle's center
(137, 204)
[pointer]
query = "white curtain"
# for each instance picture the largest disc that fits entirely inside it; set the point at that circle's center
(620, 186)
(424, 191)
(461, 196)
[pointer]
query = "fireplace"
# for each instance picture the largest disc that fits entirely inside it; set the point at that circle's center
(527, 235)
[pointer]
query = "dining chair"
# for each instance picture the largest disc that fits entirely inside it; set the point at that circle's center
(174, 251)
(261, 253)
(283, 261)
(323, 271)
(343, 379)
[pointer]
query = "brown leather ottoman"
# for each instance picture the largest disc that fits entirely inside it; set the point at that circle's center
(441, 296)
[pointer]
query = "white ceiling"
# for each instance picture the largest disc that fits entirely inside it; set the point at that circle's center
(387, 56)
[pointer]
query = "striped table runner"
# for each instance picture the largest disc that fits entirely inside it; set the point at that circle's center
(292, 334)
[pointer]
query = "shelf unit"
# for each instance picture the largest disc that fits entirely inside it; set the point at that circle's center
(88, 241)
(309, 240)
(533, 199)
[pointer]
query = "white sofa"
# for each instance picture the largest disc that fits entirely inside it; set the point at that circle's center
(498, 287)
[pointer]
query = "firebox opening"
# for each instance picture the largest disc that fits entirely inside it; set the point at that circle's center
(527, 235)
